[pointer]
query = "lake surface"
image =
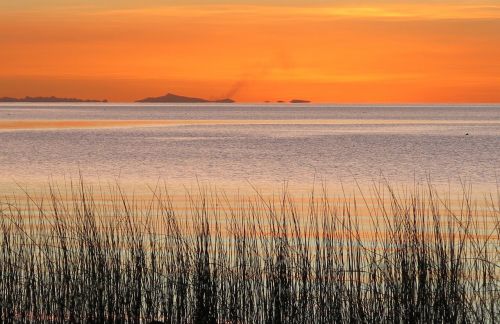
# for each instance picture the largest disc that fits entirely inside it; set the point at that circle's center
(238, 144)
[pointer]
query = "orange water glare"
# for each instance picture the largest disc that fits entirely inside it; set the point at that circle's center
(12, 125)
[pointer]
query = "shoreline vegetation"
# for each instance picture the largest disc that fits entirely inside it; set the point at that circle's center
(87, 254)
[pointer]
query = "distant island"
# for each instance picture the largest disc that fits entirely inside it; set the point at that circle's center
(47, 99)
(294, 101)
(173, 98)
(168, 98)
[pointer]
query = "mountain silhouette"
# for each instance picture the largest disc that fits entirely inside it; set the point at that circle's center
(173, 98)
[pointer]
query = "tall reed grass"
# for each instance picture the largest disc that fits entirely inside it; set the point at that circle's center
(91, 255)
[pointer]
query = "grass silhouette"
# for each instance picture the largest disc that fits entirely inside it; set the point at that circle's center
(87, 255)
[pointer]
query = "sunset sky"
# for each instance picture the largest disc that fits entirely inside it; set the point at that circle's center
(325, 51)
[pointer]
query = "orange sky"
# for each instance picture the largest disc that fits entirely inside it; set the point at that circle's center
(325, 51)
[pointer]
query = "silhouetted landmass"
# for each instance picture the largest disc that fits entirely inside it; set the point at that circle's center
(299, 101)
(280, 101)
(48, 99)
(169, 97)
(173, 98)
(227, 100)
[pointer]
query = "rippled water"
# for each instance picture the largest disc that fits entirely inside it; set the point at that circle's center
(263, 145)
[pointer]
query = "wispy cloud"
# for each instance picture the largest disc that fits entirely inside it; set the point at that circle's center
(420, 11)
(368, 10)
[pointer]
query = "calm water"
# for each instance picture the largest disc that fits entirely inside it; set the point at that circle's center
(277, 143)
